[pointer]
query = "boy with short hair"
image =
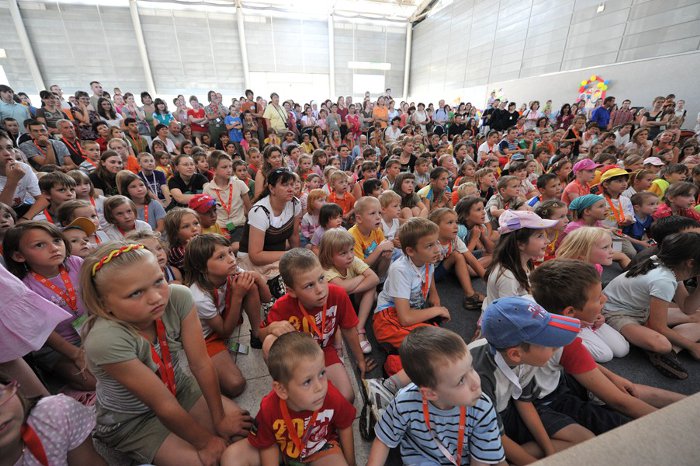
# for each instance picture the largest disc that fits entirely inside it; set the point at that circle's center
(232, 196)
(56, 187)
(409, 298)
(155, 179)
(78, 233)
(644, 204)
(370, 244)
(670, 174)
(445, 388)
(549, 187)
(313, 306)
(519, 334)
(206, 208)
(91, 151)
(301, 395)
(422, 172)
(565, 381)
(77, 208)
(518, 169)
(508, 188)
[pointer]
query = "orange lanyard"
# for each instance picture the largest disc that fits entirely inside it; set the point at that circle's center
(69, 295)
(33, 443)
(48, 215)
(551, 247)
(227, 298)
(165, 365)
(299, 442)
(227, 207)
(619, 214)
(456, 460)
(449, 249)
(312, 321)
(145, 213)
(42, 152)
(426, 286)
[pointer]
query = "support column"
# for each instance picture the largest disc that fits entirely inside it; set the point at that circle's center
(331, 57)
(407, 61)
(141, 44)
(26, 46)
(244, 50)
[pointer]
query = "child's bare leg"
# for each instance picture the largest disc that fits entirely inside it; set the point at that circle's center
(657, 397)
(689, 331)
(241, 453)
(406, 213)
(68, 371)
(365, 307)
(381, 266)
(415, 211)
(251, 306)
(230, 377)
(339, 376)
(175, 451)
(646, 338)
(330, 460)
(676, 317)
(29, 384)
(571, 435)
(460, 265)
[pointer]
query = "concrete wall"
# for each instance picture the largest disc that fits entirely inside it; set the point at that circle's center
(533, 49)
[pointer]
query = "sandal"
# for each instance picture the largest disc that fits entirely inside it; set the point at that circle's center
(668, 365)
(473, 302)
(365, 345)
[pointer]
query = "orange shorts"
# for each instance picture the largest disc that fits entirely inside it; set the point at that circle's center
(215, 344)
(388, 329)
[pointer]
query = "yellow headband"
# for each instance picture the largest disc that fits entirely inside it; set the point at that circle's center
(115, 253)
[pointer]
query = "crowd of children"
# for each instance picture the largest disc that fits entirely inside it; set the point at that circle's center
(128, 274)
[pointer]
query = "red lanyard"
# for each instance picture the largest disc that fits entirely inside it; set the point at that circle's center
(33, 443)
(92, 201)
(145, 213)
(456, 460)
(165, 365)
(48, 215)
(122, 231)
(69, 295)
(312, 321)
(77, 149)
(42, 152)
(299, 441)
(426, 286)
(619, 214)
(227, 207)
(227, 298)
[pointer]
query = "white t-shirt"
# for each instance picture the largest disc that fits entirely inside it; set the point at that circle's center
(390, 230)
(261, 220)
(502, 284)
(113, 232)
(27, 187)
(627, 210)
(631, 296)
(405, 281)
(486, 150)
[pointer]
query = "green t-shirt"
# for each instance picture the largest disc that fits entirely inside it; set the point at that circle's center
(110, 342)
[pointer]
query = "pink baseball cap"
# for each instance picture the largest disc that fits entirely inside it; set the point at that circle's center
(653, 161)
(512, 220)
(585, 164)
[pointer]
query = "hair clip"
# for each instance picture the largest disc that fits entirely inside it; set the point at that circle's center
(115, 253)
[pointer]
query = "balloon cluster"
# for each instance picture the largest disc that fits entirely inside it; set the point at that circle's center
(594, 81)
(594, 88)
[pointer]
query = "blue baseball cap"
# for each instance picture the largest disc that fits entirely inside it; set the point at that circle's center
(508, 322)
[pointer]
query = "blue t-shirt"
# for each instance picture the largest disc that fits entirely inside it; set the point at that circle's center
(235, 135)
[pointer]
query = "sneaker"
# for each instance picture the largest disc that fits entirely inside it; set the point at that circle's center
(379, 394)
(472, 303)
(668, 365)
(255, 342)
(276, 286)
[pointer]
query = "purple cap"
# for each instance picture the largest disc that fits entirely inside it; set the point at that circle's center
(512, 220)
(585, 164)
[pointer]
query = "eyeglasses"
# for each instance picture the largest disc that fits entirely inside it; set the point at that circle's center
(8, 391)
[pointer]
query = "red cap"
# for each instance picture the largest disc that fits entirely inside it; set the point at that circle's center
(201, 203)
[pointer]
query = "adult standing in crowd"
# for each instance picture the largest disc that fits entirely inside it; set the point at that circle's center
(276, 115)
(9, 108)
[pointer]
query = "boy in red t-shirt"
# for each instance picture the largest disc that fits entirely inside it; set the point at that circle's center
(318, 308)
(304, 417)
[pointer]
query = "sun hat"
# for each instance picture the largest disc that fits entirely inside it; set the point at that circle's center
(613, 173)
(512, 220)
(82, 223)
(585, 164)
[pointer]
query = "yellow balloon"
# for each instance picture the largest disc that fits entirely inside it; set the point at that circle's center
(593, 77)
(605, 88)
(583, 83)
(600, 85)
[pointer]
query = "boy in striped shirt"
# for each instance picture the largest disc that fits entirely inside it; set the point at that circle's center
(441, 418)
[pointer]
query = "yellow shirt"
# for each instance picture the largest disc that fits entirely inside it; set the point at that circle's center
(357, 268)
(365, 245)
